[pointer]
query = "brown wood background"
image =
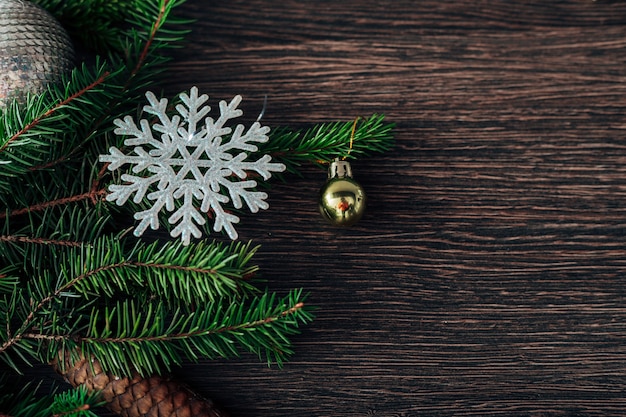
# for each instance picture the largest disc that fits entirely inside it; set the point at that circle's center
(487, 277)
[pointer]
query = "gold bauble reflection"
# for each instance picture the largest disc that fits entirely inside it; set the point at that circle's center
(342, 201)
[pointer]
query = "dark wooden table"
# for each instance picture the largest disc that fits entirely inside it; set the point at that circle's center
(488, 276)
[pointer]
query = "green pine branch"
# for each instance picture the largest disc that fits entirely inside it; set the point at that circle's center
(325, 142)
(28, 401)
(77, 402)
(74, 291)
(38, 132)
(26, 237)
(147, 337)
(171, 272)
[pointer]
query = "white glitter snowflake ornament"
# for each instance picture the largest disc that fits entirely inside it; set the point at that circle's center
(192, 159)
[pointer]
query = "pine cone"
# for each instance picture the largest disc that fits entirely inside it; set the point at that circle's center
(137, 396)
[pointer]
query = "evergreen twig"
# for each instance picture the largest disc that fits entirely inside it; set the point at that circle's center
(170, 281)
(323, 143)
(28, 401)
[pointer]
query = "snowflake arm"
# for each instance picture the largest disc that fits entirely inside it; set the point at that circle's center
(192, 112)
(223, 220)
(191, 159)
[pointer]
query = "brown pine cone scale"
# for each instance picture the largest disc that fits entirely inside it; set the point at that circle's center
(137, 396)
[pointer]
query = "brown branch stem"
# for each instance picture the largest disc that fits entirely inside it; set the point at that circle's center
(39, 241)
(80, 408)
(146, 49)
(92, 195)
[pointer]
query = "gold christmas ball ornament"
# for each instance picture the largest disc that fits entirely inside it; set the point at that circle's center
(35, 50)
(342, 200)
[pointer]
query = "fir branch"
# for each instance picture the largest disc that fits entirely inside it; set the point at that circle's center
(19, 399)
(16, 349)
(172, 272)
(327, 141)
(102, 25)
(27, 240)
(141, 64)
(77, 402)
(79, 410)
(40, 131)
(146, 338)
(164, 9)
(51, 111)
(17, 340)
(135, 336)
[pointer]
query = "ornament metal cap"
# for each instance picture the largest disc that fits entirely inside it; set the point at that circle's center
(339, 169)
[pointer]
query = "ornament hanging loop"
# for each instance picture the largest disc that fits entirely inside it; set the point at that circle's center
(351, 138)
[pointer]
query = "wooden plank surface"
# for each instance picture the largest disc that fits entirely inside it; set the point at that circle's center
(487, 277)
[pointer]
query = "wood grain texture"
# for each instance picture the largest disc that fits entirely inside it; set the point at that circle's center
(487, 277)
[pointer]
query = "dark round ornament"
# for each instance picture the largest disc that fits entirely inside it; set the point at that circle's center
(342, 200)
(35, 50)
